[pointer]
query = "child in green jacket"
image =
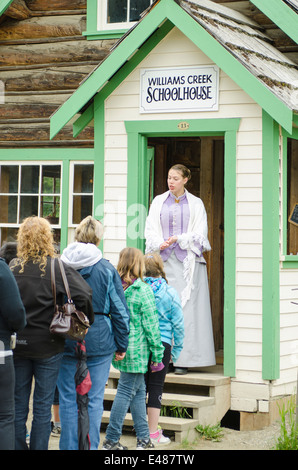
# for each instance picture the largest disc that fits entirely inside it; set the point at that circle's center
(144, 339)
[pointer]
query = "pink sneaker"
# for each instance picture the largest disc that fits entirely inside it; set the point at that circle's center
(158, 438)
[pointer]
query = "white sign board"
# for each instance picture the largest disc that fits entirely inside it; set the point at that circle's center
(170, 90)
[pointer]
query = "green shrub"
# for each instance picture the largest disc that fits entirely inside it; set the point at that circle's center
(288, 439)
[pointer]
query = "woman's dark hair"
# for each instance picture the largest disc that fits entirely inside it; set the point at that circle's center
(8, 251)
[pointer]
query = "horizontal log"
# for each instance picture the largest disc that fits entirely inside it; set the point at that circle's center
(26, 111)
(59, 12)
(43, 27)
(28, 41)
(18, 10)
(56, 4)
(19, 132)
(226, 1)
(45, 80)
(46, 66)
(46, 144)
(55, 97)
(72, 51)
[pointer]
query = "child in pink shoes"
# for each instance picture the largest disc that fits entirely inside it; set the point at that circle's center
(171, 325)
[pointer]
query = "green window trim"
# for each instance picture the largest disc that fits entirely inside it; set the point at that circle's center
(64, 156)
(288, 261)
(92, 33)
(137, 133)
(270, 289)
(97, 35)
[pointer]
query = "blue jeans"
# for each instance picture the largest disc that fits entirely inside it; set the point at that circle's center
(45, 373)
(131, 393)
(7, 407)
(99, 368)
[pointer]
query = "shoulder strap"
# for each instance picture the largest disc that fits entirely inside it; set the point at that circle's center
(53, 282)
(64, 279)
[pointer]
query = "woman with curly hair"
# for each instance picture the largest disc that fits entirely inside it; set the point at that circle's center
(38, 353)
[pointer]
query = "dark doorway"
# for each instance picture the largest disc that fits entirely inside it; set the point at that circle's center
(204, 156)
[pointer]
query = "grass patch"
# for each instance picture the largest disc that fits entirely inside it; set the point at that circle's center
(288, 438)
(210, 433)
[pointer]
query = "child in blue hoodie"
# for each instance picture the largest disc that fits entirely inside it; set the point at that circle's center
(171, 324)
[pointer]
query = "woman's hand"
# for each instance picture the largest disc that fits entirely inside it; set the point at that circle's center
(168, 242)
(164, 245)
(172, 239)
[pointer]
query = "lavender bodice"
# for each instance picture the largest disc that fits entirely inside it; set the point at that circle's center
(174, 218)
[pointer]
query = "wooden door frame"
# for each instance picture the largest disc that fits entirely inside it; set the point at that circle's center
(137, 135)
(204, 156)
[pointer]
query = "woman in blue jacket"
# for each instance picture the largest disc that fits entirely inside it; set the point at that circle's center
(108, 334)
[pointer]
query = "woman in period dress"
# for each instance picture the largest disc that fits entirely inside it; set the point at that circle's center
(176, 227)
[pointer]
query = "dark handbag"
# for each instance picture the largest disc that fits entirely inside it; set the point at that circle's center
(67, 320)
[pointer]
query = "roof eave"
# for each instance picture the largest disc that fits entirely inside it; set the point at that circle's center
(280, 14)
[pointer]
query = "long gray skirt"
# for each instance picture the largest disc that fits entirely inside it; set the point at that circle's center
(198, 346)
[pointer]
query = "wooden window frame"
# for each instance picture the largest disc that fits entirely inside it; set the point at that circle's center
(96, 27)
(289, 261)
(71, 225)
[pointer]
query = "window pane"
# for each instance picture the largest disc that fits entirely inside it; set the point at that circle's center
(28, 207)
(136, 8)
(9, 178)
(8, 209)
(82, 206)
(50, 208)
(117, 11)
(30, 179)
(57, 239)
(83, 179)
(51, 179)
(8, 234)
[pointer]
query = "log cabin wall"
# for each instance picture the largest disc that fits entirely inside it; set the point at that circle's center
(43, 59)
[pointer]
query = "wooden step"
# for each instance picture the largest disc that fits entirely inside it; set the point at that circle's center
(207, 392)
(183, 428)
(170, 399)
(208, 378)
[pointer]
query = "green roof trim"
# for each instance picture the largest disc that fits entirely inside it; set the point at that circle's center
(281, 14)
(118, 78)
(4, 4)
(163, 11)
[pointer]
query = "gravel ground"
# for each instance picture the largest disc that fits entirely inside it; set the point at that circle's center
(264, 439)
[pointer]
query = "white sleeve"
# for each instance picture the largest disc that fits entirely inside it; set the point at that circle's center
(153, 231)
